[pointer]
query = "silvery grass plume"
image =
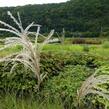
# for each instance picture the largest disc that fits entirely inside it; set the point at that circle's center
(92, 86)
(29, 56)
(62, 37)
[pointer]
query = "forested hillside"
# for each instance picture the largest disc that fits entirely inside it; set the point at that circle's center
(74, 15)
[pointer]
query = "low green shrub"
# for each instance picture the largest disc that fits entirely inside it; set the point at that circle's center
(52, 64)
(86, 41)
(105, 44)
(86, 48)
(65, 85)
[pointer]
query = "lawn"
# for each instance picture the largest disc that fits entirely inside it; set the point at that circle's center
(94, 49)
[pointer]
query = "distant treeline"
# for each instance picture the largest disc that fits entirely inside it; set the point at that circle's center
(85, 16)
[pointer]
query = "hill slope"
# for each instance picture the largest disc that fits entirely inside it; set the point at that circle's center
(74, 15)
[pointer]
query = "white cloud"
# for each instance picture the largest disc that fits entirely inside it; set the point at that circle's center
(24, 2)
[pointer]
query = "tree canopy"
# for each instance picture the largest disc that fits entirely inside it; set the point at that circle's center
(74, 15)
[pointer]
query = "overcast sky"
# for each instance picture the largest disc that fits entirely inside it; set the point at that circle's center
(24, 2)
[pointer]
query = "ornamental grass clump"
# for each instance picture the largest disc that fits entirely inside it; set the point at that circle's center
(92, 85)
(29, 55)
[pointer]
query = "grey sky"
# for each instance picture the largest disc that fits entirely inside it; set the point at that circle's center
(24, 2)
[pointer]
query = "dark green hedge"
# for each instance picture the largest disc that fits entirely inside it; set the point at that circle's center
(53, 64)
